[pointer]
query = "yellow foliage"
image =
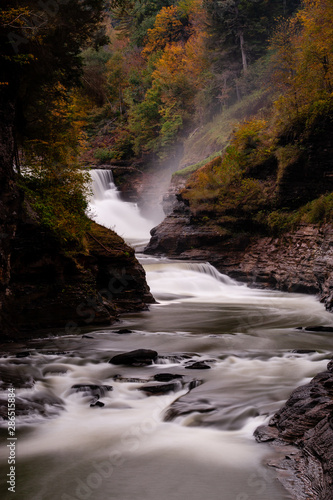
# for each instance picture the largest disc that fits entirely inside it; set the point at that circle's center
(304, 59)
(167, 29)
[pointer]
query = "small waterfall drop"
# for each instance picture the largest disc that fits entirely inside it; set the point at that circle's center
(108, 209)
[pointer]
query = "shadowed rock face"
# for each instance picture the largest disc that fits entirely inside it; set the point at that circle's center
(302, 436)
(49, 288)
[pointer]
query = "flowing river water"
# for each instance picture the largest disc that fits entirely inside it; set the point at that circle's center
(182, 427)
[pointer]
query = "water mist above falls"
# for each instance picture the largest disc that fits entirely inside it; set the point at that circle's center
(108, 209)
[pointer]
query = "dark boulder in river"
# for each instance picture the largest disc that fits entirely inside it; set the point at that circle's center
(137, 358)
(198, 365)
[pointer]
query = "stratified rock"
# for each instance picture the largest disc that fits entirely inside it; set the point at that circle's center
(302, 433)
(300, 261)
(137, 358)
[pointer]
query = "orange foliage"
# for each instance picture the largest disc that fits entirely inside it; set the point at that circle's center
(168, 28)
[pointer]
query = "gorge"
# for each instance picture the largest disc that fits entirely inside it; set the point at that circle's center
(213, 360)
(176, 353)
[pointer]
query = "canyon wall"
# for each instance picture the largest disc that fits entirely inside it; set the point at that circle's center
(298, 261)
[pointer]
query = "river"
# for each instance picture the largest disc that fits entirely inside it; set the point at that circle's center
(181, 427)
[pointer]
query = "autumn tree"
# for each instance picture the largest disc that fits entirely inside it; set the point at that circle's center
(40, 62)
(176, 48)
(134, 18)
(303, 62)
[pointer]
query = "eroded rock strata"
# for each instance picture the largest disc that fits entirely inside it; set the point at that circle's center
(302, 436)
(301, 261)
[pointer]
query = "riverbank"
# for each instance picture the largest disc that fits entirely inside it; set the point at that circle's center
(51, 288)
(301, 433)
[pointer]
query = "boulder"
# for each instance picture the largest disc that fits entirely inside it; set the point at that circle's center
(137, 358)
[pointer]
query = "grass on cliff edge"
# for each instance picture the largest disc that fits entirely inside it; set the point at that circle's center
(214, 136)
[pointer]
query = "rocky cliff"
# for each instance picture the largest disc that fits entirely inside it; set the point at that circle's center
(302, 436)
(49, 287)
(299, 261)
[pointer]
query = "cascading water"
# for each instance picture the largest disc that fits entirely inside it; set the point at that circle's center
(107, 208)
(181, 427)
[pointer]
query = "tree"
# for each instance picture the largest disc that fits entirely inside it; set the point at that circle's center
(40, 44)
(171, 25)
(135, 17)
(240, 30)
(303, 63)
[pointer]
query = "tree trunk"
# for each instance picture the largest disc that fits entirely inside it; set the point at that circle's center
(10, 198)
(242, 48)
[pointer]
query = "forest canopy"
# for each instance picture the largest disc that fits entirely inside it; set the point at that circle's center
(95, 82)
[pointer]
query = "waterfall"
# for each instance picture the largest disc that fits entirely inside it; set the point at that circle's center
(108, 209)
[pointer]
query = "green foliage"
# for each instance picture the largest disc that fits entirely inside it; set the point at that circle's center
(104, 155)
(185, 172)
(94, 80)
(41, 63)
(136, 17)
(144, 121)
(61, 205)
(52, 178)
(320, 210)
(277, 222)
(287, 156)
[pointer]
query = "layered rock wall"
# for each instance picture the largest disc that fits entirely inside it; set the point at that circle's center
(302, 436)
(300, 261)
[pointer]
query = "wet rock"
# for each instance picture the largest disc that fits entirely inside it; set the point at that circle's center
(303, 351)
(40, 403)
(305, 423)
(98, 404)
(198, 365)
(160, 389)
(87, 337)
(50, 288)
(131, 380)
(183, 407)
(300, 261)
(123, 331)
(135, 358)
(96, 390)
(166, 377)
(24, 354)
(194, 383)
(327, 329)
(175, 358)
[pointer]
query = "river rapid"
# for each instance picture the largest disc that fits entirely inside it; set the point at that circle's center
(181, 427)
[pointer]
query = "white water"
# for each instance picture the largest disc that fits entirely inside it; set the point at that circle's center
(107, 208)
(128, 449)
